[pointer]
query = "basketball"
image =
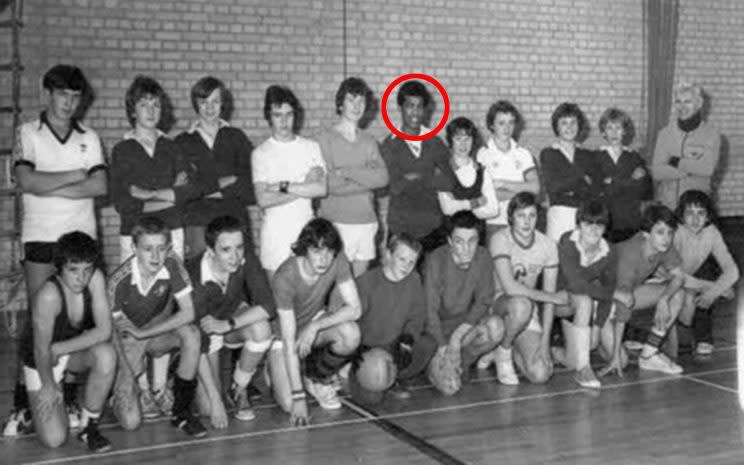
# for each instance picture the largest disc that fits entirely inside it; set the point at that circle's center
(376, 371)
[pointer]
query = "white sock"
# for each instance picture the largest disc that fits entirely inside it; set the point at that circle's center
(242, 378)
(143, 382)
(160, 372)
(87, 415)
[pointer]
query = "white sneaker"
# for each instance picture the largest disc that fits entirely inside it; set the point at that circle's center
(704, 348)
(659, 362)
(586, 378)
(18, 423)
(486, 360)
(325, 394)
(74, 416)
(505, 367)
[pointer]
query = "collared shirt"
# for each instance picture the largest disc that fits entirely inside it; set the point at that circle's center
(150, 149)
(584, 259)
(196, 126)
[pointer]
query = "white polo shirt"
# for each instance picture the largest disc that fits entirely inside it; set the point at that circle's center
(275, 161)
(511, 166)
(45, 219)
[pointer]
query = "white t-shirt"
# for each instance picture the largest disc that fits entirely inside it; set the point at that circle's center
(275, 161)
(527, 261)
(511, 166)
(45, 219)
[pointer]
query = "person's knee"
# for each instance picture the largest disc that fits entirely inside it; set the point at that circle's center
(53, 435)
(349, 338)
(129, 418)
(520, 309)
(105, 359)
(260, 331)
(538, 373)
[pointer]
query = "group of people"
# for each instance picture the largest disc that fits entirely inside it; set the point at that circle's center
(464, 278)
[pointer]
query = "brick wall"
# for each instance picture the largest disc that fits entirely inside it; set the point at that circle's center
(709, 52)
(536, 53)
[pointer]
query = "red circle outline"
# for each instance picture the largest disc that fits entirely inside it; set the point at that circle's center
(406, 77)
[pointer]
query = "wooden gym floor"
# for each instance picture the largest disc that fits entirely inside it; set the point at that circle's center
(693, 418)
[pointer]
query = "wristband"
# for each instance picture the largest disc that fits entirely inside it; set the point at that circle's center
(283, 186)
(231, 322)
(298, 395)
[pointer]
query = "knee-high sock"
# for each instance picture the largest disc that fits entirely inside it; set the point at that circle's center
(183, 395)
(322, 362)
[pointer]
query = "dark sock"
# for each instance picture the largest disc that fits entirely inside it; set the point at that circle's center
(655, 340)
(702, 325)
(322, 362)
(20, 397)
(69, 389)
(183, 395)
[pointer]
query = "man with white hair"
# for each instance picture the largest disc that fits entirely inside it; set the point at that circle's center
(687, 150)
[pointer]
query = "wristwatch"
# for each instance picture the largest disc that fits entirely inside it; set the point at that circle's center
(283, 186)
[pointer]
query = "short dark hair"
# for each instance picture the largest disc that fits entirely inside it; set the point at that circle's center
(413, 89)
(317, 233)
(75, 247)
(403, 238)
(520, 201)
(463, 219)
(505, 106)
(150, 225)
(617, 115)
(569, 109)
(204, 87)
(277, 96)
(593, 212)
(144, 86)
(353, 86)
(61, 77)
(219, 225)
(656, 213)
(462, 124)
(699, 199)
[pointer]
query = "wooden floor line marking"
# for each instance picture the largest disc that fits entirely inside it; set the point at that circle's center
(354, 421)
(403, 435)
(712, 384)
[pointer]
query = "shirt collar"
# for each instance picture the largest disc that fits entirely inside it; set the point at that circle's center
(196, 125)
(163, 274)
(132, 134)
(74, 123)
(585, 261)
(491, 144)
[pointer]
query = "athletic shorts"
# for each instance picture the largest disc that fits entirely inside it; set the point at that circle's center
(359, 240)
(33, 380)
(134, 350)
(38, 252)
(212, 343)
(500, 309)
(125, 244)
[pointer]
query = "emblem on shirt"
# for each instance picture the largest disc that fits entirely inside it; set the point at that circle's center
(161, 290)
(520, 272)
(83, 148)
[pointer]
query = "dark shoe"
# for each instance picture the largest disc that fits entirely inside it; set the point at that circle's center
(93, 438)
(242, 404)
(191, 425)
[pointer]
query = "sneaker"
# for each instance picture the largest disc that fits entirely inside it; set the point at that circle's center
(74, 416)
(505, 367)
(147, 403)
(164, 400)
(242, 404)
(659, 362)
(704, 348)
(93, 439)
(18, 423)
(586, 378)
(191, 425)
(400, 391)
(486, 360)
(324, 393)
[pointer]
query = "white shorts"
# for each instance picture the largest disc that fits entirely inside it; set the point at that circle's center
(359, 240)
(125, 244)
(276, 242)
(33, 380)
(560, 220)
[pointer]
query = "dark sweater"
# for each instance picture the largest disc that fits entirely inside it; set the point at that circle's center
(390, 309)
(624, 194)
(414, 206)
(132, 166)
(248, 284)
(597, 280)
(455, 295)
(565, 182)
(229, 156)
